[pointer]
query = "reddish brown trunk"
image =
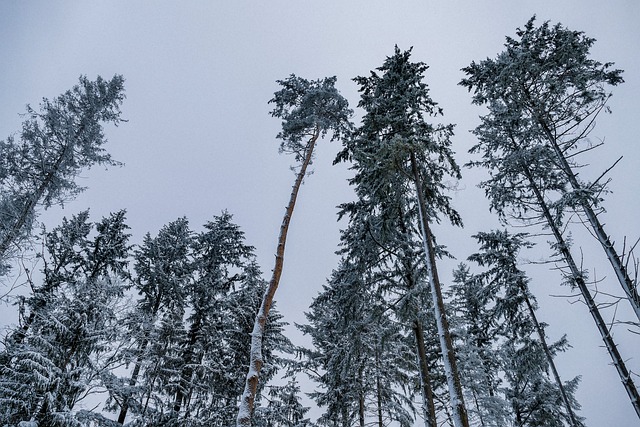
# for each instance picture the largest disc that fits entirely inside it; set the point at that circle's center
(255, 361)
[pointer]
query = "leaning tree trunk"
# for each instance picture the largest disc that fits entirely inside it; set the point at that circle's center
(29, 208)
(256, 361)
(429, 408)
(547, 352)
(458, 409)
(629, 286)
(576, 274)
(428, 405)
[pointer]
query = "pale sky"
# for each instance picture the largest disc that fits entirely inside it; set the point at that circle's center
(199, 138)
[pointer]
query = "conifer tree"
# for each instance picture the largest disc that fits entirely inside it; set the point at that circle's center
(397, 153)
(284, 408)
(530, 179)
(309, 110)
(219, 257)
(188, 335)
(360, 359)
(515, 308)
(69, 347)
(499, 251)
(476, 326)
(163, 270)
(388, 255)
(547, 81)
(56, 143)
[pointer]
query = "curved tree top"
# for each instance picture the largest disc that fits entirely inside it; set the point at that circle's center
(308, 108)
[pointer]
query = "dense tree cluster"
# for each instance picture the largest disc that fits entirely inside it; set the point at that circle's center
(181, 330)
(163, 343)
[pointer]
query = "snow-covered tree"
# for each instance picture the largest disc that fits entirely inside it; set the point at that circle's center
(475, 325)
(284, 408)
(38, 168)
(397, 154)
(163, 269)
(66, 345)
(543, 94)
(512, 316)
(218, 379)
(188, 336)
(387, 253)
(360, 359)
(309, 110)
(548, 80)
(220, 254)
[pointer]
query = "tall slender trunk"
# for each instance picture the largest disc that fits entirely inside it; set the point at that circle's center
(629, 286)
(459, 411)
(475, 400)
(245, 411)
(346, 421)
(30, 206)
(547, 352)
(429, 408)
(187, 371)
(576, 274)
(361, 402)
(19, 336)
(379, 385)
(428, 405)
(124, 407)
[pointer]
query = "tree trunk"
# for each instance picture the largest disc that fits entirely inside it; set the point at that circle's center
(576, 274)
(547, 352)
(379, 385)
(245, 411)
(361, 401)
(29, 208)
(429, 407)
(630, 288)
(459, 411)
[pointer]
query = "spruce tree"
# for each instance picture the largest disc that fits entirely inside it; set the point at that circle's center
(397, 153)
(476, 327)
(66, 346)
(57, 142)
(547, 80)
(163, 269)
(360, 358)
(530, 179)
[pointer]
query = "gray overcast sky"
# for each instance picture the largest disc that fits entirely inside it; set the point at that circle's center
(199, 138)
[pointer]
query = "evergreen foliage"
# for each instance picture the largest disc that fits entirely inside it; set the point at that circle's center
(182, 330)
(401, 163)
(56, 143)
(66, 344)
(506, 361)
(543, 94)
